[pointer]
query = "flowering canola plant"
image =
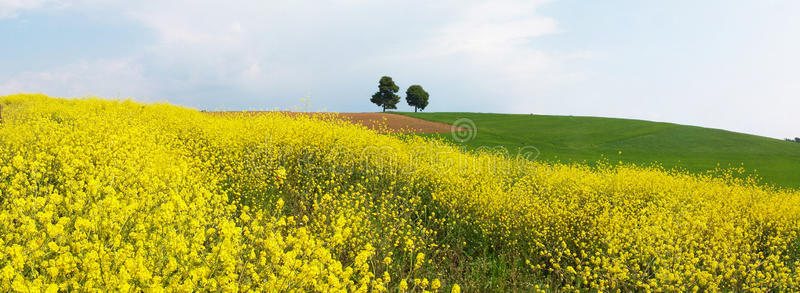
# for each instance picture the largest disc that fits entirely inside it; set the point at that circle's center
(117, 195)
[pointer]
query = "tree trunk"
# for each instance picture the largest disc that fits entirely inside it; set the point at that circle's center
(384, 108)
(415, 109)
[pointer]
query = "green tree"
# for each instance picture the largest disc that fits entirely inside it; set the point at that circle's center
(386, 97)
(417, 97)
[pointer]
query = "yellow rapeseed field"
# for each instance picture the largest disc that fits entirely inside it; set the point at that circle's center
(100, 195)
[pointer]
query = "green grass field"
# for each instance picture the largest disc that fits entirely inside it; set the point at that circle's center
(591, 139)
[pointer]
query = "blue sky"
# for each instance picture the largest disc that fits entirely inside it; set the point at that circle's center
(722, 64)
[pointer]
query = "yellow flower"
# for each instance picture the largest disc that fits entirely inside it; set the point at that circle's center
(403, 286)
(435, 285)
(455, 289)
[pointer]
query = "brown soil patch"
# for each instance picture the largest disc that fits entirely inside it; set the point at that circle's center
(383, 122)
(396, 123)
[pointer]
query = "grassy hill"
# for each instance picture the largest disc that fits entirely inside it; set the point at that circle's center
(589, 139)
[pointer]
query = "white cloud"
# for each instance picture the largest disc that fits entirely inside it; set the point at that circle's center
(334, 49)
(491, 25)
(260, 45)
(11, 8)
(488, 49)
(119, 78)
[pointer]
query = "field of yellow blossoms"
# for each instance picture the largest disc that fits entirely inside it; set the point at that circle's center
(119, 196)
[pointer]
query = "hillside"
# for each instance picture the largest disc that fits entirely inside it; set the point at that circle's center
(589, 139)
(99, 195)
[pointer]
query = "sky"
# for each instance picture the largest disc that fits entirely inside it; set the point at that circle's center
(731, 64)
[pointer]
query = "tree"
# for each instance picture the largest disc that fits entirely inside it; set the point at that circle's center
(417, 97)
(386, 97)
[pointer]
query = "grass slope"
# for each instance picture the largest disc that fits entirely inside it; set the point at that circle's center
(589, 139)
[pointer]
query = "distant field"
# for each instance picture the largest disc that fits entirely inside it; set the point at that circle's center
(589, 139)
(381, 122)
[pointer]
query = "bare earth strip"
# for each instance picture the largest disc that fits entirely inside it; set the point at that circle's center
(382, 122)
(395, 123)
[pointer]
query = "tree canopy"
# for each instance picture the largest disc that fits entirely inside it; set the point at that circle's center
(385, 97)
(417, 97)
